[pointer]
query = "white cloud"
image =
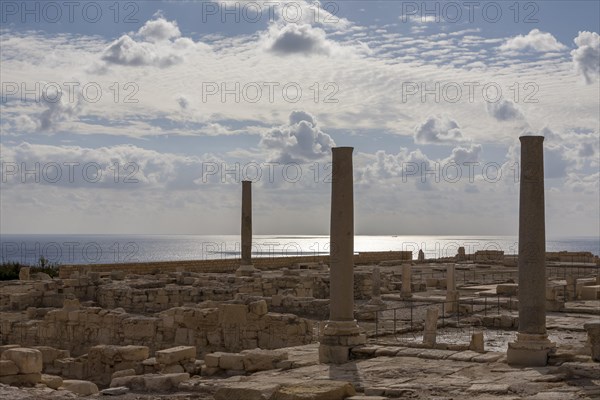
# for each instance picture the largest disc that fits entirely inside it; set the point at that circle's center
(535, 40)
(159, 44)
(504, 110)
(462, 155)
(297, 39)
(438, 129)
(159, 29)
(56, 109)
(126, 51)
(587, 55)
(95, 167)
(300, 140)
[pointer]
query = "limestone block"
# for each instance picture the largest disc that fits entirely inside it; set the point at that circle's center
(134, 353)
(593, 331)
(83, 388)
(258, 307)
(233, 314)
(134, 382)
(175, 354)
(115, 391)
(246, 391)
(124, 372)
(21, 379)
(29, 361)
(164, 382)
(590, 292)
(49, 354)
(477, 343)
(52, 381)
(214, 338)
(231, 361)
(8, 367)
(262, 360)
(24, 273)
(71, 304)
(5, 347)
(139, 327)
(212, 359)
(315, 390)
(173, 369)
(581, 369)
(507, 289)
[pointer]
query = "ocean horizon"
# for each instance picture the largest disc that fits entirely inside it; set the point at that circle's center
(66, 249)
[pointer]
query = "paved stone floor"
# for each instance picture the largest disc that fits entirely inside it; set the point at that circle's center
(405, 373)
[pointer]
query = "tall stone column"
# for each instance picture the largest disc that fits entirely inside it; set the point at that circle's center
(376, 289)
(406, 289)
(430, 330)
(452, 295)
(532, 345)
(341, 331)
(246, 267)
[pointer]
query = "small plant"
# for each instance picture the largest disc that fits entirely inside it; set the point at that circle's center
(9, 270)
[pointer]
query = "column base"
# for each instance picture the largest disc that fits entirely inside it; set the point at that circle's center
(452, 299)
(337, 340)
(529, 350)
(245, 270)
(405, 295)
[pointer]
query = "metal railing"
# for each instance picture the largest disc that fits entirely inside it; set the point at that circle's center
(407, 320)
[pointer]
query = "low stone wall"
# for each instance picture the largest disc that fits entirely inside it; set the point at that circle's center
(572, 256)
(146, 294)
(225, 265)
(228, 327)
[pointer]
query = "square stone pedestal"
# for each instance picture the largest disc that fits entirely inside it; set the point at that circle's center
(529, 350)
(337, 340)
(245, 270)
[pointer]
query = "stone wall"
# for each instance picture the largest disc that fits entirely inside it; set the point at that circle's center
(572, 256)
(225, 265)
(226, 327)
(146, 294)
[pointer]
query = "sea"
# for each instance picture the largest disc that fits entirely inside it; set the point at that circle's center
(108, 249)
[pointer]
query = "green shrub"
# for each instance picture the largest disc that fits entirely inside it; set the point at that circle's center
(9, 270)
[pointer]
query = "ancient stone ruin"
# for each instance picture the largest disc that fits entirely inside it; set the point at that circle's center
(357, 326)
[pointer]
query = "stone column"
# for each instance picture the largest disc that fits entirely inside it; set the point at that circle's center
(406, 290)
(24, 273)
(376, 290)
(532, 345)
(246, 267)
(341, 331)
(593, 331)
(461, 256)
(452, 295)
(477, 343)
(430, 331)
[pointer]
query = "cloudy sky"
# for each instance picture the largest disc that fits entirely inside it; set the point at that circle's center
(144, 118)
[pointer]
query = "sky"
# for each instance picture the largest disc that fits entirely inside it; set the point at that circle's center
(144, 117)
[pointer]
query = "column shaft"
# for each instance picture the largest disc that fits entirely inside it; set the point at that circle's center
(342, 237)
(246, 222)
(532, 238)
